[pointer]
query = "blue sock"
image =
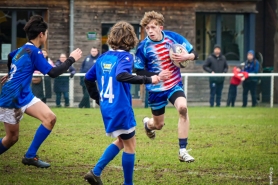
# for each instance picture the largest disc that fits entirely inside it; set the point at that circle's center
(183, 143)
(2, 147)
(39, 138)
(128, 167)
(108, 155)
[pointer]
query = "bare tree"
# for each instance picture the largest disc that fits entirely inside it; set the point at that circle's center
(276, 55)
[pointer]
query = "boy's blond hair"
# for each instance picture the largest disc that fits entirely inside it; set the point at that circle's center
(149, 16)
(122, 36)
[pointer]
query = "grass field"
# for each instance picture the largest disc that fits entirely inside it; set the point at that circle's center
(230, 145)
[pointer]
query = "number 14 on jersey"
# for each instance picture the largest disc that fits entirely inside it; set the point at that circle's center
(109, 90)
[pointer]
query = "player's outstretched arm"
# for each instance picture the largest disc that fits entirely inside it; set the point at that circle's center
(74, 56)
(134, 79)
(143, 72)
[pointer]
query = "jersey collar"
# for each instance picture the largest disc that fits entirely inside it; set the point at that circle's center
(158, 42)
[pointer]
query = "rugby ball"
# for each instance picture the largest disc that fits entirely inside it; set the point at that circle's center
(178, 48)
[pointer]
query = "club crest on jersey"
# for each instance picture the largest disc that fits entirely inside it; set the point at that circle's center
(167, 45)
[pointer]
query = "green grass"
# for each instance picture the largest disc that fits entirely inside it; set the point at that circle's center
(230, 145)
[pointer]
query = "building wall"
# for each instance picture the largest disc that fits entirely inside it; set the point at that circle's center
(89, 15)
(57, 17)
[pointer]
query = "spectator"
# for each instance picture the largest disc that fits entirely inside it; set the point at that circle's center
(238, 77)
(216, 63)
(41, 86)
(89, 61)
(250, 84)
(104, 48)
(61, 83)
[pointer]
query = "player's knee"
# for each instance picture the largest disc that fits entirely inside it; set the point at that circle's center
(12, 139)
(50, 119)
(183, 111)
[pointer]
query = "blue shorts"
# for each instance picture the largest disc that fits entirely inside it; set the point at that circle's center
(158, 100)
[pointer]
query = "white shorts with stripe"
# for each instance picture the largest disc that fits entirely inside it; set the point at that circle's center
(13, 116)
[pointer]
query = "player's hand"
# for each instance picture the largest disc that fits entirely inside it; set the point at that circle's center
(76, 54)
(155, 79)
(4, 79)
(179, 57)
(243, 78)
(164, 75)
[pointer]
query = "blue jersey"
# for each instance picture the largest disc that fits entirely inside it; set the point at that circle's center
(17, 92)
(154, 57)
(115, 97)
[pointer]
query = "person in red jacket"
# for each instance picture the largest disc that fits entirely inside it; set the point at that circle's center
(239, 76)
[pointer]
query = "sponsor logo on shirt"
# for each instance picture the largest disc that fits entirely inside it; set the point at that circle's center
(127, 58)
(87, 60)
(107, 66)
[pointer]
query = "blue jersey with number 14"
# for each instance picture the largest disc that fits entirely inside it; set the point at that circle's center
(115, 102)
(16, 92)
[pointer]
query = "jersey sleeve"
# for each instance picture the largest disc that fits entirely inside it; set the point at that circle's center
(40, 62)
(91, 74)
(12, 54)
(140, 58)
(183, 41)
(125, 65)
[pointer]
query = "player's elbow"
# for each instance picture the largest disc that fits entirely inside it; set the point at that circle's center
(53, 73)
(196, 56)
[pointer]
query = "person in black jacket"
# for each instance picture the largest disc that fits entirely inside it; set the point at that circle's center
(216, 63)
(251, 66)
(61, 84)
(88, 62)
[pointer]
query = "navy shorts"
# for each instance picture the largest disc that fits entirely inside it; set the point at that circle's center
(158, 100)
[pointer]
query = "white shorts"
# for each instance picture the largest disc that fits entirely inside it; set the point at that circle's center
(13, 116)
(120, 132)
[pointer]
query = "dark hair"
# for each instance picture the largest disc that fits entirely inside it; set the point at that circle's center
(122, 36)
(35, 26)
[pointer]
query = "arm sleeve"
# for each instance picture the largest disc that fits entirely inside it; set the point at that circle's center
(40, 62)
(90, 82)
(236, 73)
(124, 69)
(140, 58)
(183, 41)
(133, 79)
(206, 65)
(195, 54)
(226, 67)
(56, 71)
(257, 67)
(143, 72)
(245, 74)
(92, 90)
(72, 71)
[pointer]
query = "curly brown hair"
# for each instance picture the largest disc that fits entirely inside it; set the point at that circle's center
(122, 36)
(149, 16)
